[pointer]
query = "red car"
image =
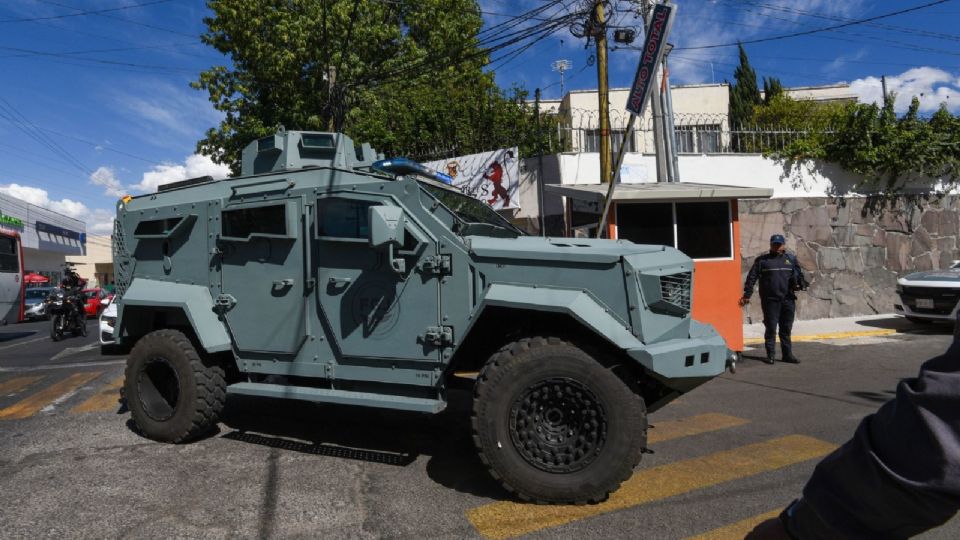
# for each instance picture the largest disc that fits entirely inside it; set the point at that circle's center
(94, 306)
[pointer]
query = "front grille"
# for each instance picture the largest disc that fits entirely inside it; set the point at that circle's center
(123, 269)
(944, 299)
(675, 289)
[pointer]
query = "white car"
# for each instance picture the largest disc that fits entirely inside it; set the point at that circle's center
(108, 318)
(930, 296)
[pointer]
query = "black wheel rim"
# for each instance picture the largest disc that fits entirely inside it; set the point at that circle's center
(558, 425)
(158, 386)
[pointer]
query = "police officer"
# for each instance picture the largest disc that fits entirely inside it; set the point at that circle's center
(780, 275)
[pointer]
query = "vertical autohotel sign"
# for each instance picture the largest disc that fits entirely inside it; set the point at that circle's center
(650, 57)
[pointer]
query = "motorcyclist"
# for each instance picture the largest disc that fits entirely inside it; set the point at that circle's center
(72, 285)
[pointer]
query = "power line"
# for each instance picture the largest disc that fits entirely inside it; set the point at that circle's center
(84, 13)
(74, 58)
(816, 30)
(21, 122)
(130, 21)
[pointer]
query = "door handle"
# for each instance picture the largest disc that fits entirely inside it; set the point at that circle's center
(283, 283)
(339, 280)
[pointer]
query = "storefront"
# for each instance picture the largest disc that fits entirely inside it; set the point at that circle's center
(47, 237)
(698, 219)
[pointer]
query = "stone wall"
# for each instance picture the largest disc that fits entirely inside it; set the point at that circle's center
(852, 249)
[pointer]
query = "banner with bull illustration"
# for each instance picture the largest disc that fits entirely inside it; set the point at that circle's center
(493, 177)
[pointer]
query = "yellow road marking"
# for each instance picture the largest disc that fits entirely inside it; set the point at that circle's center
(30, 405)
(833, 335)
(509, 519)
(736, 531)
(103, 401)
(694, 425)
(15, 385)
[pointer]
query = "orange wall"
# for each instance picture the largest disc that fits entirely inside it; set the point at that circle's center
(716, 288)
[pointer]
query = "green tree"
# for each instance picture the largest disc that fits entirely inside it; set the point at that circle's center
(406, 77)
(887, 151)
(744, 93)
(771, 89)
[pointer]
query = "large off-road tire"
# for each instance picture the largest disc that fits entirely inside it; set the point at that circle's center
(553, 425)
(174, 394)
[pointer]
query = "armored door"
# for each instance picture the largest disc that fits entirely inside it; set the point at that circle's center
(369, 308)
(262, 272)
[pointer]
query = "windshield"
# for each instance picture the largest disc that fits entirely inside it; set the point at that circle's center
(38, 293)
(477, 217)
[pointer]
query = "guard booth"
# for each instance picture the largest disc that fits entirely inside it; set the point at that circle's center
(698, 219)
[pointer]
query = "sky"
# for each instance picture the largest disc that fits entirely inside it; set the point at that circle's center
(95, 99)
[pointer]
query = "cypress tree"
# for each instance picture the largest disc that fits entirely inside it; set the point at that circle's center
(744, 93)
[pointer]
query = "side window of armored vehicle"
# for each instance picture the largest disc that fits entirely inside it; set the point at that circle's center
(261, 220)
(339, 219)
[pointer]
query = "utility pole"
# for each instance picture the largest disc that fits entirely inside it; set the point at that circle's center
(599, 28)
(883, 87)
(540, 164)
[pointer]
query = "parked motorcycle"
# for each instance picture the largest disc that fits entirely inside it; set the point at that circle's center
(66, 314)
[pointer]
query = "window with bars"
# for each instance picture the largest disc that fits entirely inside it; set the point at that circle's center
(700, 139)
(591, 141)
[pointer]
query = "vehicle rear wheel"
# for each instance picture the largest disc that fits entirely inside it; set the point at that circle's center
(174, 394)
(555, 426)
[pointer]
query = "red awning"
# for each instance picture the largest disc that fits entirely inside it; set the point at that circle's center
(34, 277)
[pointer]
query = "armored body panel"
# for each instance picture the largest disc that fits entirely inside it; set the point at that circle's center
(317, 277)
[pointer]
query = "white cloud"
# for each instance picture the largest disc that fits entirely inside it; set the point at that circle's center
(710, 23)
(179, 112)
(106, 177)
(931, 86)
(99, 221)
(193, 167)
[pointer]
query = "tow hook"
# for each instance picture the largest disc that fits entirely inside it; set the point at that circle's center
(732, 362)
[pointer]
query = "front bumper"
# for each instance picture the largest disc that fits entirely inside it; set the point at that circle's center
(682, 364)
(106, 332)
(36, 311)
(939, 313)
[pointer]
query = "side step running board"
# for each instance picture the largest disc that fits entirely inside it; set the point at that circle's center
(341, 397)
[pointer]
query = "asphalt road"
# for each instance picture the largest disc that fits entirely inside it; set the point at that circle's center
(71, 465)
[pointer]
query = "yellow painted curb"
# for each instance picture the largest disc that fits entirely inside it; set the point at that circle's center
(833, 335)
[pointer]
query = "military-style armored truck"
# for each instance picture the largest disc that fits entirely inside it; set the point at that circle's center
(321, 274)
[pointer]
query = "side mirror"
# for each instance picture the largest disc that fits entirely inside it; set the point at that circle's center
(387, 229)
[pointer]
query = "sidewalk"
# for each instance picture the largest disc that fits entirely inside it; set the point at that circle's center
(841, 327)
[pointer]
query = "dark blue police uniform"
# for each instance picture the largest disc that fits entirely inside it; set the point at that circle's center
(779, 274)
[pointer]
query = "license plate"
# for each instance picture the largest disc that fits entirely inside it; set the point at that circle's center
(925, 303)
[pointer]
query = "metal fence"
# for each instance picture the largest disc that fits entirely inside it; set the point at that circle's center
(695, 134)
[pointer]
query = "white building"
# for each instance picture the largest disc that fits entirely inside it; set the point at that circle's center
(47, 237)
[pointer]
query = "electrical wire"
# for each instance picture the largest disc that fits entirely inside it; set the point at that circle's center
(816, 30)
(84, 13)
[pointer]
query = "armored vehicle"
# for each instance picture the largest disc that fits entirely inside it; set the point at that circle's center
(322, 274)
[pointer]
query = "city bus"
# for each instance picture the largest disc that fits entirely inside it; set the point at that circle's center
(11, 278)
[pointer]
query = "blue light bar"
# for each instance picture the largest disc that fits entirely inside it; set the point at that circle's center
(402, 165)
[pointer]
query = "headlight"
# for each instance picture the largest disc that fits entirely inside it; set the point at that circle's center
(109, 321)
(899, 288)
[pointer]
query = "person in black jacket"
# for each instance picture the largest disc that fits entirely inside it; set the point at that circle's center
(779, 275)
(897, 477)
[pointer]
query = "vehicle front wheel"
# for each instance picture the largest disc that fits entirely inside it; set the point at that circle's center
(55, 331)
(174, 394)
(555, 426)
